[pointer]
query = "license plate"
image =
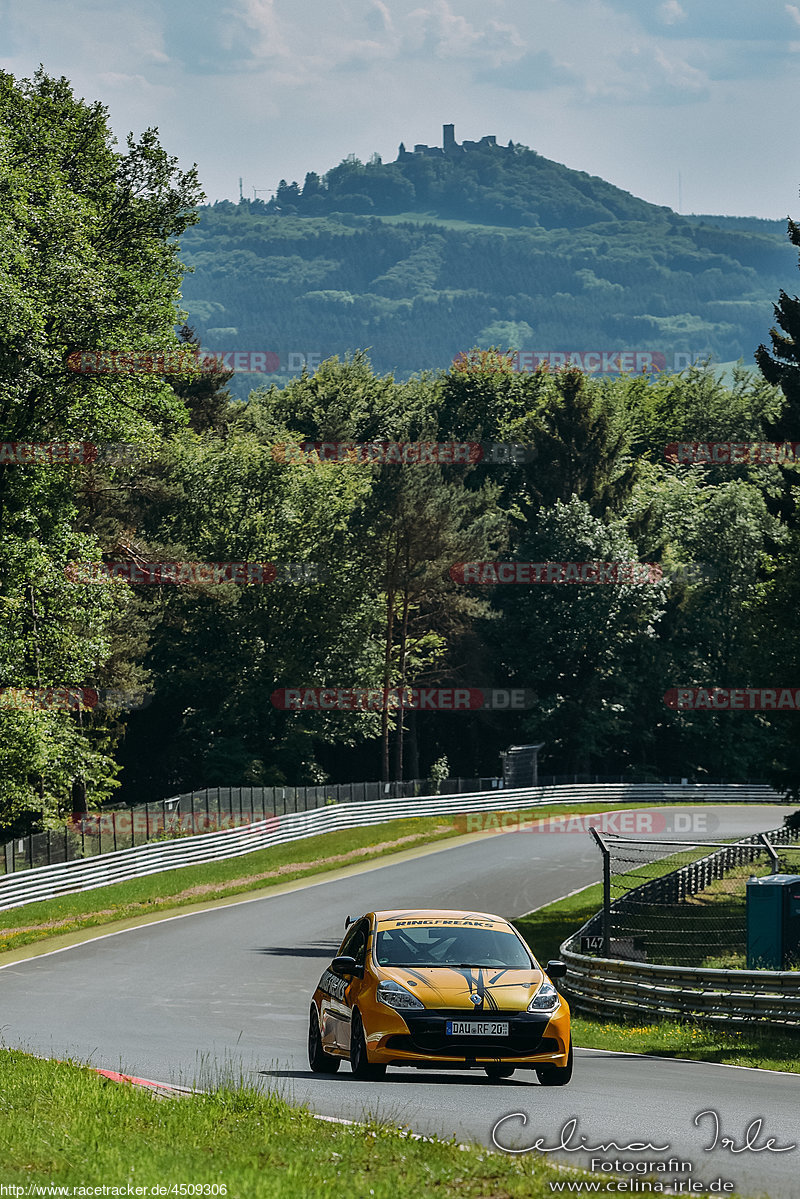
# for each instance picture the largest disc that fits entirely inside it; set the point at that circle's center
(469, 1028)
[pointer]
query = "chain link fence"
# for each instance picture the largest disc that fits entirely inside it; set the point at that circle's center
(676, 903)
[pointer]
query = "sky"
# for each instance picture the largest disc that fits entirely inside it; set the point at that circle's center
(688, 103)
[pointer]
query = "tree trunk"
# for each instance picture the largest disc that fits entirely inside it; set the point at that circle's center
(79, 807)
(399, 734)
(387, 674)
(413, 746)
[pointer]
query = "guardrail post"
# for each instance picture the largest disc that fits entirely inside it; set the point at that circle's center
(606, 852)
(776, 862)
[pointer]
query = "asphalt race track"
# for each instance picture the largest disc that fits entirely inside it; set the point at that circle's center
(227, 992)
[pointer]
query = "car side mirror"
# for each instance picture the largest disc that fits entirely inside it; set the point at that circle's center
(556, 969)
(344, 966)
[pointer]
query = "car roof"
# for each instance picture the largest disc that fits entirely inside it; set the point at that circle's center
(459, 916)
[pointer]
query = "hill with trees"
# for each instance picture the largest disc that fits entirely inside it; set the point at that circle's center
(424, 257)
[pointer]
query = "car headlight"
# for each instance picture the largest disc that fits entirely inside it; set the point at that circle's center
(397, 997)
(545, 999)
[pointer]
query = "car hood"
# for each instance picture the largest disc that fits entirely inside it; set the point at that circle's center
(451, 986)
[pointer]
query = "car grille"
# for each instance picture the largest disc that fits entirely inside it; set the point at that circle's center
(427, 1035)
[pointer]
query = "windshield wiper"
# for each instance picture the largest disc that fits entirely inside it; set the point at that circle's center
(468, 966)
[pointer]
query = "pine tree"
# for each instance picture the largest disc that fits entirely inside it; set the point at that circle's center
(782, 366)
(205, 394)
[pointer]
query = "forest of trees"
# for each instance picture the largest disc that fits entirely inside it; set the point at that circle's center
(92, 263)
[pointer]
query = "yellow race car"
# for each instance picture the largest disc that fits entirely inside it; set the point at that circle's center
(452, 990)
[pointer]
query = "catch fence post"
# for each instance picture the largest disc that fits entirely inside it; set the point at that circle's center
(606, 852)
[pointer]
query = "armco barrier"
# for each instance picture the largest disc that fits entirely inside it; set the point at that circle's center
(615, 987)
(45, 882)
(604, 987)
(211, 809)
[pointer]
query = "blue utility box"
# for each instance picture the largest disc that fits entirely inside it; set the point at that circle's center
(773, 922)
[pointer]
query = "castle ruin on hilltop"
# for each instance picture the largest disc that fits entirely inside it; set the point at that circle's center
(450, 148)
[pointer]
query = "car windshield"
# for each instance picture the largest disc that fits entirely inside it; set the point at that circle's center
(437, 945)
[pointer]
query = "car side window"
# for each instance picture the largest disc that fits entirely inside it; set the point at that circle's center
(355, 943)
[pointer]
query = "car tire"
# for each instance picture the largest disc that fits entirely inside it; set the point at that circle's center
(556, 1076)
(319, 1061)
(497, 1072)
(360, 1065)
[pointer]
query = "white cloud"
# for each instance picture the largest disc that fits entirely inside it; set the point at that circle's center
(671, 12)
(378, 19)
(260, 17)
(446, 34)
(117, 79)
(793, 11)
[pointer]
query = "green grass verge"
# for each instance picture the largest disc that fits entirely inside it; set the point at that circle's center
(191, 885)
(546, 929)
(65, 1125)
(771, 1050)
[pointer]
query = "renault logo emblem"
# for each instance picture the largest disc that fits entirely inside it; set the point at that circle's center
(476, 999)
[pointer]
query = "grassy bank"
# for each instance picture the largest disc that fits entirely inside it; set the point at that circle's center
(546, 929)
(770, 1050)
(192, 885)
(65, 1125)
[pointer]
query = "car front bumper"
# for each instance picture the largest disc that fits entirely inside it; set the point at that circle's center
(420, 1038)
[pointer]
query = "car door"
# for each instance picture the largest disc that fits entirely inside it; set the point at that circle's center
(338, 993)
(358, 950)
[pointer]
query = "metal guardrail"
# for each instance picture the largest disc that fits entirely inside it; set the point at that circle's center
(604, 987)
(613, 987)
(45, 882)
(205, 811)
